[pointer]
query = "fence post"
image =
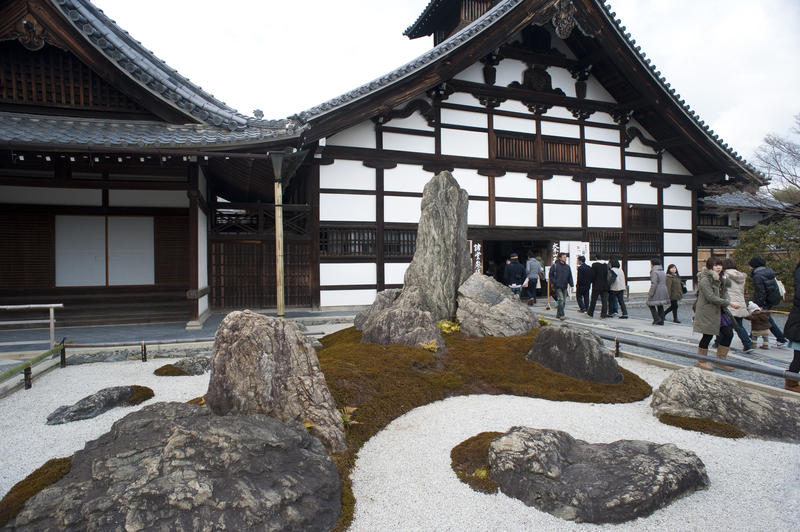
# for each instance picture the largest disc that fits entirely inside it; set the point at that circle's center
(52, 327)
(28, 380)
(616, 347)
(63, 353)
(144, 352)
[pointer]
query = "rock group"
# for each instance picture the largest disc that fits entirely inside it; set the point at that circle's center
(489, 308)
(577, 353)
(100, 402)
(595, 483)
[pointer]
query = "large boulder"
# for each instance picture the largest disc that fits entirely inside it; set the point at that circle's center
(575, 352)
(488, 308)
(265, 365)
(383, 300)
(100, 402)
(402, 326)
(174, 466)
(692, 392)
(197, 365)
(595, 483)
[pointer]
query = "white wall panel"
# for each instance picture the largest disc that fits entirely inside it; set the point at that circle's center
(471, 181)
(561, 215)
(202, 249)
(639, 268)
(202, 305)
(563, 80)
(670, 165)
(561, 187)
(595, 91)
(604, 216)
(463, 98)
(415, 121)
(638, 146)
(509, 70)
(346, 298)
(510, 123)
(601, 133)
(405, 178)
(478, 212)
(347, 273)
(394, 272)
(202, 183)
(641, 164)
(603, 190)
(559, 112)
(415, 143)
(80, 251)
(684, 264)
(603, 118)
(52, 196)
(600, 156)
(148, 198)
(346, 207)
(678, 195)
(642, 192)
(465, 143)
(474, 73)
(359, 136)
(639, 287)
(343, 174)
(515, 214)
(558, 129)
(403, 209)
(515, 185)
(677, 219)
(677, 243)
(514, 106)
(464, 118)
(131, 250)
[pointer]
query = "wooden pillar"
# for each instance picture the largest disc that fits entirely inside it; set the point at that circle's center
(194, 205)
(279, 246)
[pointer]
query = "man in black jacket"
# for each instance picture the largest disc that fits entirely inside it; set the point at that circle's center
(584, 282)
(514, 273)
(599, 287)
(765, 293)
(560, 276)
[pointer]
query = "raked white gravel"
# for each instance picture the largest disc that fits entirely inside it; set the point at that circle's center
(403, 480)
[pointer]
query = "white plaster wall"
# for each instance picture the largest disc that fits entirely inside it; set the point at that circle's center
(148, 198)
(558, 129)
(515, 106)
(202, 250)
(464, 118)
(559, 112)
(52, 196)
(509, 70)
(561, 215)
(563, 80)
(343, 174)
(684, 264)
(603, 118)
(639, 268)
(80, 250)
(515, 214)
(131, 250)
(359, 136)
(394, 272)
(473, 73)
(471, 181)
(346, 207)
(601, 133)
(510, 123)
(415, 121)
(601, 156)
(603, 190)
(405, 178)
(595, 91)
(561, 187)
(478, 212)
(604, 216)
(401, 209)
(677, 243)
(347, 273)
(641, 192)
(465, 143)
(639, 287)
(677, 219)
(670, 165)
(677, 195)
(641, 164)
(515, 185)
(415, 143)
(202, 305)
(638, 146)
(463, 98)
(340, 298)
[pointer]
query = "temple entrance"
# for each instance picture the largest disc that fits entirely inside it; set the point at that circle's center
(497, 251)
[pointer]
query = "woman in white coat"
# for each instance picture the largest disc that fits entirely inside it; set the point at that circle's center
(736, 294)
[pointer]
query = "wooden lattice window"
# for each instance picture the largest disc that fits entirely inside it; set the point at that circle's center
(607, 244)
(643, 245)
(347, 242)
(516, 147)
(644, 217)
(399, 242)
(561, 151)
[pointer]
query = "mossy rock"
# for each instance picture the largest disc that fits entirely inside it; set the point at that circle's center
(470, 462)
(704, 425)
(51, 472)
(170, 370)
(139, 394)
(199, 401)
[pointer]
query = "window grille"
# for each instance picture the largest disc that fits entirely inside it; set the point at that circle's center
(399, 242)
(347, 242)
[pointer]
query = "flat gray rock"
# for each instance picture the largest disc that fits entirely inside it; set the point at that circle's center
(489, 308)
(178, 467)
(92, 405)
(693, 392)
(197, 365)
(577, 353)
(402, 326)
(117, 355)
(595, 483)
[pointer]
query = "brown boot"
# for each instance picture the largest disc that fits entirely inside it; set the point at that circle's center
(702, 363)
(722, 353)
(792, 385)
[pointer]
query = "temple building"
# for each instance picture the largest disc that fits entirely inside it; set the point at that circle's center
(130, 194)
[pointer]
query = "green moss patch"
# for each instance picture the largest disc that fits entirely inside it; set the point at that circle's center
(139, 395)
(50, 473)
(170, 370)
(385, 382)
(704, 425)
(470, 461)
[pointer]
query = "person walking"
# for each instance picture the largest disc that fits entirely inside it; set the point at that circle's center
(711, 317)
(560, 277)
(736, 292)
(514, 274)
(533, 269)
(599, 287)
(766, 294)
(675, 291)
(584, 282)
(617, 288)
(657, 296)
(791, 332)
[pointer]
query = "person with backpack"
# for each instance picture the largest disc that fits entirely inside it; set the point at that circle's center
(766, 293)
(514, 274)
(533, 269)
(560, 277)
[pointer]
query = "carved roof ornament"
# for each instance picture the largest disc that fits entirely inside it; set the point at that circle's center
(564, 18)
(30, 33)
(536, 78)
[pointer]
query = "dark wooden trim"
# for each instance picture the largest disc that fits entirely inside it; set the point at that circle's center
(680, 231)
(104, 198)
(349, 259)
(680, 208)
(348, 287)
(524, 233)
(539, 203)
(105, 218)
(464, 128)
(625, 219)
(314, 256)
(505, 199)
(660, 205)
(695, 218)
(193, 193)
(562, 202)
(346, 191)
(492, 207)
(380, 214)
(401, 194)
(92, 184)
(94, 210)
(584, 207)
(404, 131)
(197, 294)
(382, 164)
(604, 203)
(642, 156)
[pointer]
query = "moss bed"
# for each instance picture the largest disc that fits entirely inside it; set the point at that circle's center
(384, 382)
(50, 473)
(704, 425)
(139, 395)
(170, 370)
(470, 461)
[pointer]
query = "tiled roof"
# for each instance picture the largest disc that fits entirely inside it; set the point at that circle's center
(18, 130)
(416, 29)
(743, 200)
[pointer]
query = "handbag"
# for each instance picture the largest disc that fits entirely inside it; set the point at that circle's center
(725, 320)
(525, 283)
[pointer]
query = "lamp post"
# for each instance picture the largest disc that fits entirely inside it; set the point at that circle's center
(277, 168)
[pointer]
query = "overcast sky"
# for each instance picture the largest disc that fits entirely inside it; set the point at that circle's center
(735, 62)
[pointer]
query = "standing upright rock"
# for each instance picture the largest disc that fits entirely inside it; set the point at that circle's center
(264, 365)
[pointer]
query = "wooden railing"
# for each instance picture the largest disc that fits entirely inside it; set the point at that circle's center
(51, 321)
